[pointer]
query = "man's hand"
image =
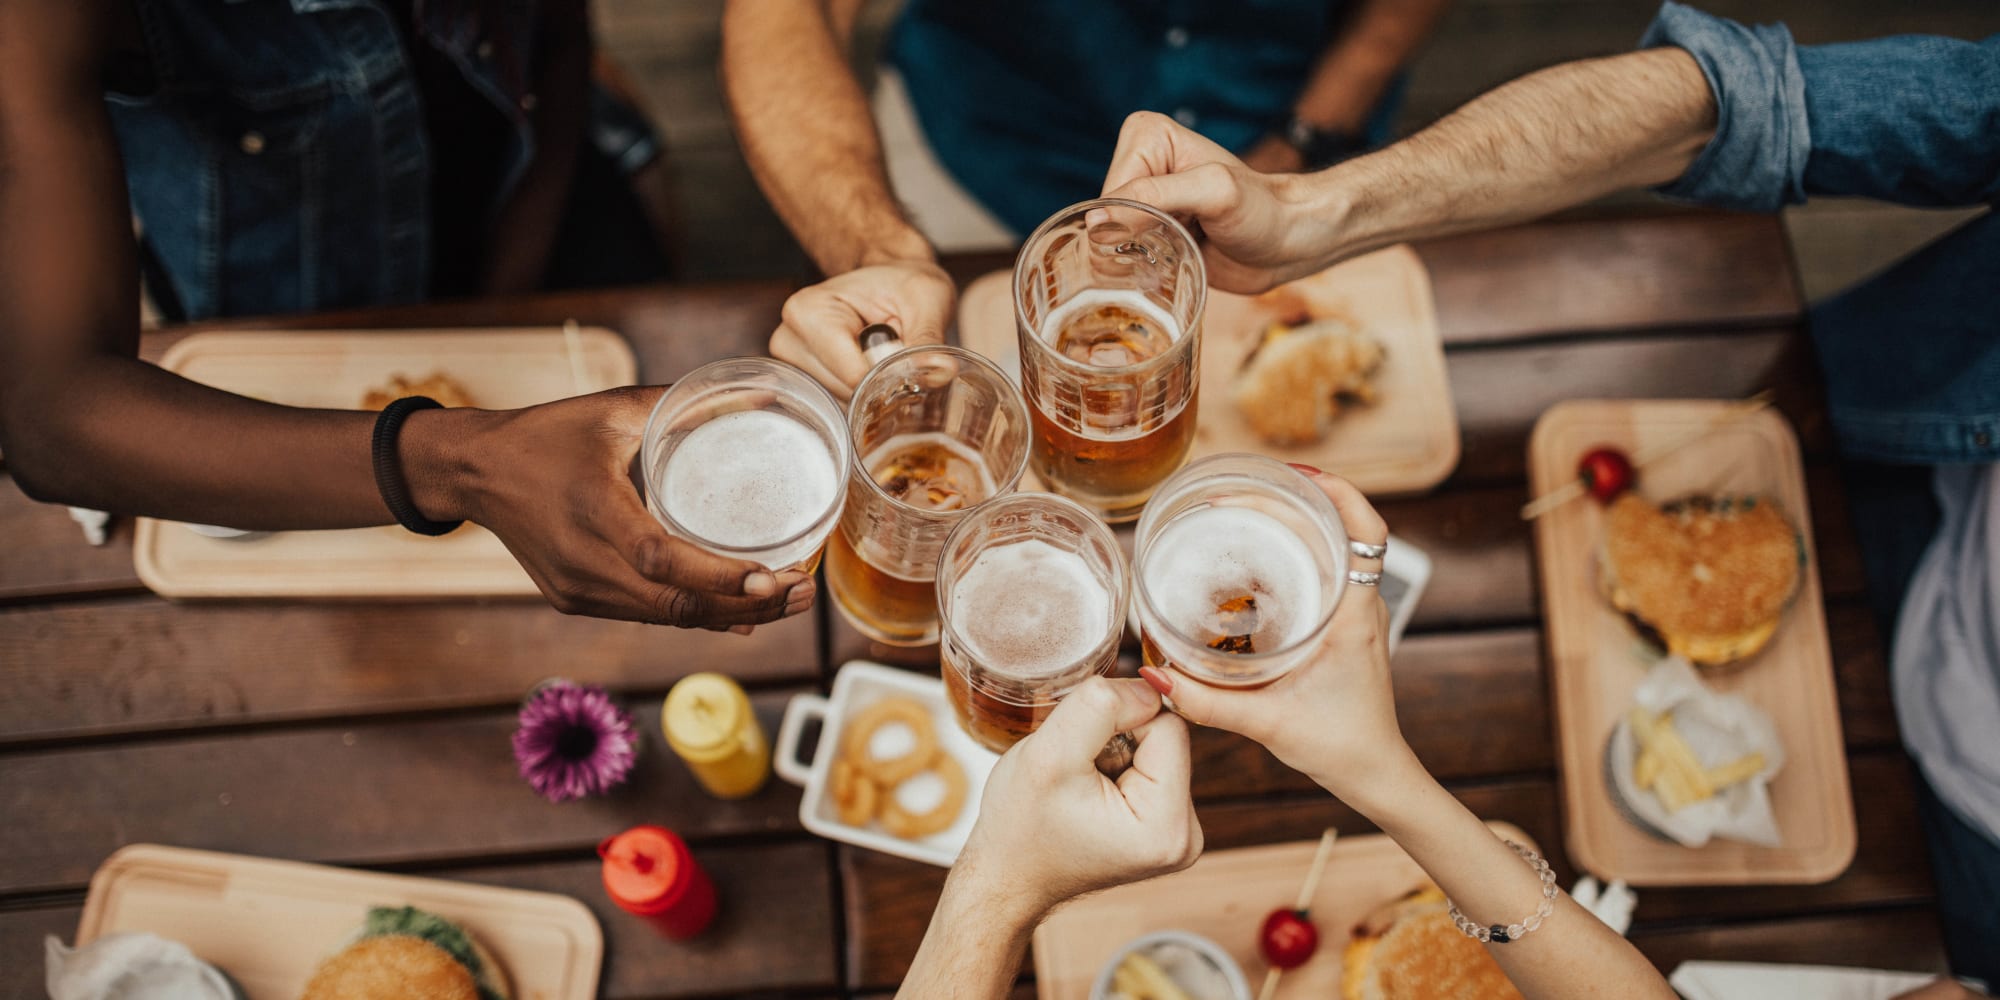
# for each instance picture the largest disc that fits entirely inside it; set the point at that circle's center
(1051, 827)
(1256, 230)
(553, 481)
(820, 324)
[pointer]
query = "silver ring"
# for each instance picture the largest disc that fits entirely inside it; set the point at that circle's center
(1361, 578)
(1367, 551)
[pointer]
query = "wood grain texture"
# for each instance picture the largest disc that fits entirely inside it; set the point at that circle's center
(145, 664)
(759, 883)
(1906, 938)
(407, 792)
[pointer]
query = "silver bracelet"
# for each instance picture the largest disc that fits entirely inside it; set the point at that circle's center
(1503, 933)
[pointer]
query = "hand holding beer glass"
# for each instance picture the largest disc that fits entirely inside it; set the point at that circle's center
(1108, 299)
(936, 432)
(1032, 592)
(745, 457)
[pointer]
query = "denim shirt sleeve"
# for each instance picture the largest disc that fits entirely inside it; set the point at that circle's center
(1912, 119)
(1757, 160)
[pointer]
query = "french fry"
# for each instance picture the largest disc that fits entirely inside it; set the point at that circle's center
(1740, 770)
(1149, 981)
(1673, 790)
(1679, 757)
(1646, 770)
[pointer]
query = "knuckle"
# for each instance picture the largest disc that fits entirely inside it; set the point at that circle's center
(566, 602)
(1145, 120)
(674, 606)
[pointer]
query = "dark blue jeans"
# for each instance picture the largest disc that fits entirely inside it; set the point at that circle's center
(1896, 517)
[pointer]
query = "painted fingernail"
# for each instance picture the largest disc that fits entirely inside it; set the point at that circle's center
(1307, 469)
(760, 584)
(1158, 679)
(742, 629)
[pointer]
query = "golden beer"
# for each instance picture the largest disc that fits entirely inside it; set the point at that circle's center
(1108, 303)
(937, 432)
(1032, 594)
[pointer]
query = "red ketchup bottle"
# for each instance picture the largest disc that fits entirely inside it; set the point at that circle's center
(649, 873)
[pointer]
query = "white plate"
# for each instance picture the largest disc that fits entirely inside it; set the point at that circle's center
(858, 685)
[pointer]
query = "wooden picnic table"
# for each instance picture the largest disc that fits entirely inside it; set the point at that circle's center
(375, 734)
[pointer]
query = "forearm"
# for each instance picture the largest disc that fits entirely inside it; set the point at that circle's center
(121, 435)
(527, 225)
(1545, 142)
(1572, 954)
(806, 130)
(977, 938)
(1354, 72)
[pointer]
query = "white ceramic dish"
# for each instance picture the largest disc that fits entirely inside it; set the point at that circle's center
(1239, 987)
(858, 685)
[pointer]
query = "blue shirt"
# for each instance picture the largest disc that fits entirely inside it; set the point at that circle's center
(1911, 358)
(1022, 100)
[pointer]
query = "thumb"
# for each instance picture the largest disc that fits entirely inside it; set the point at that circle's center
(1090, 715)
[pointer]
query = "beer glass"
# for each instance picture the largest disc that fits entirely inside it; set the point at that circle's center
(936, 432)
(1240, 561)
(745, 457)
(1032, 592)
(1108, 299)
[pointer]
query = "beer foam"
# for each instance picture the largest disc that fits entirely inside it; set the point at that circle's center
(1128, 298)
(749, 478)
(1029, 609)
(1218, 552)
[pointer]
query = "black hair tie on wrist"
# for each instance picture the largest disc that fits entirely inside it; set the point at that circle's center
(389, 479)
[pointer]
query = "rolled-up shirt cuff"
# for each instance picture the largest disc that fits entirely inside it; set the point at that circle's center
(1757, 160)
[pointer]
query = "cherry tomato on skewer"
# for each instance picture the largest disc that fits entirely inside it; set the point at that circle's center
(1288, 938)
(1605, 472)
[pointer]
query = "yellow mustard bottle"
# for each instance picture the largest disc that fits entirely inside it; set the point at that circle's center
(708, 721)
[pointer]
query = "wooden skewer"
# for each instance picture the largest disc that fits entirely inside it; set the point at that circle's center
(573, 345)
(1304, 902)
(1575, 487)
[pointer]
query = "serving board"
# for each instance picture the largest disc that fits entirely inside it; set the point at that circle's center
(1404, 442)
(1596, 661)
(1224, 897)
(269, 924)
(499, 369)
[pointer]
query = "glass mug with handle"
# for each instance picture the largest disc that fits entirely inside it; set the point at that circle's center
(1108, 300)
(747, 457)
(935, 432)
(1240, 561)
(1032, 596)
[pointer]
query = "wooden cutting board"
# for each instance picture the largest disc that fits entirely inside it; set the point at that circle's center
(499, 369)
(268, 924)
(1224, 898)
(1405, 442)
(1596, 661)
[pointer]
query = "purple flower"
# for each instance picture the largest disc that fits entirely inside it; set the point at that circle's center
(574, 741)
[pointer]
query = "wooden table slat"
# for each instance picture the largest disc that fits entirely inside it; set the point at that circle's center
(374, 793)
(146, 664)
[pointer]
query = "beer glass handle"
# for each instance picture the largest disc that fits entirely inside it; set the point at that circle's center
(1116, 756)
(878, 341)
(801, 709)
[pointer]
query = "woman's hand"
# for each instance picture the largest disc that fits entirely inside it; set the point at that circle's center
(1051, 827)
(1256, 230)
(1333, 718)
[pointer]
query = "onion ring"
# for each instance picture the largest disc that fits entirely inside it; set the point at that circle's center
(855, 798)
(895, 770)
(902, 823)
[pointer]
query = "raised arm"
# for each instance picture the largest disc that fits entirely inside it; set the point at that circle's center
(1544, 142)
(1379, 39)
(806, 130)
(1051, 827)
(1711, 111)
(83, 421)
(1335, 721)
